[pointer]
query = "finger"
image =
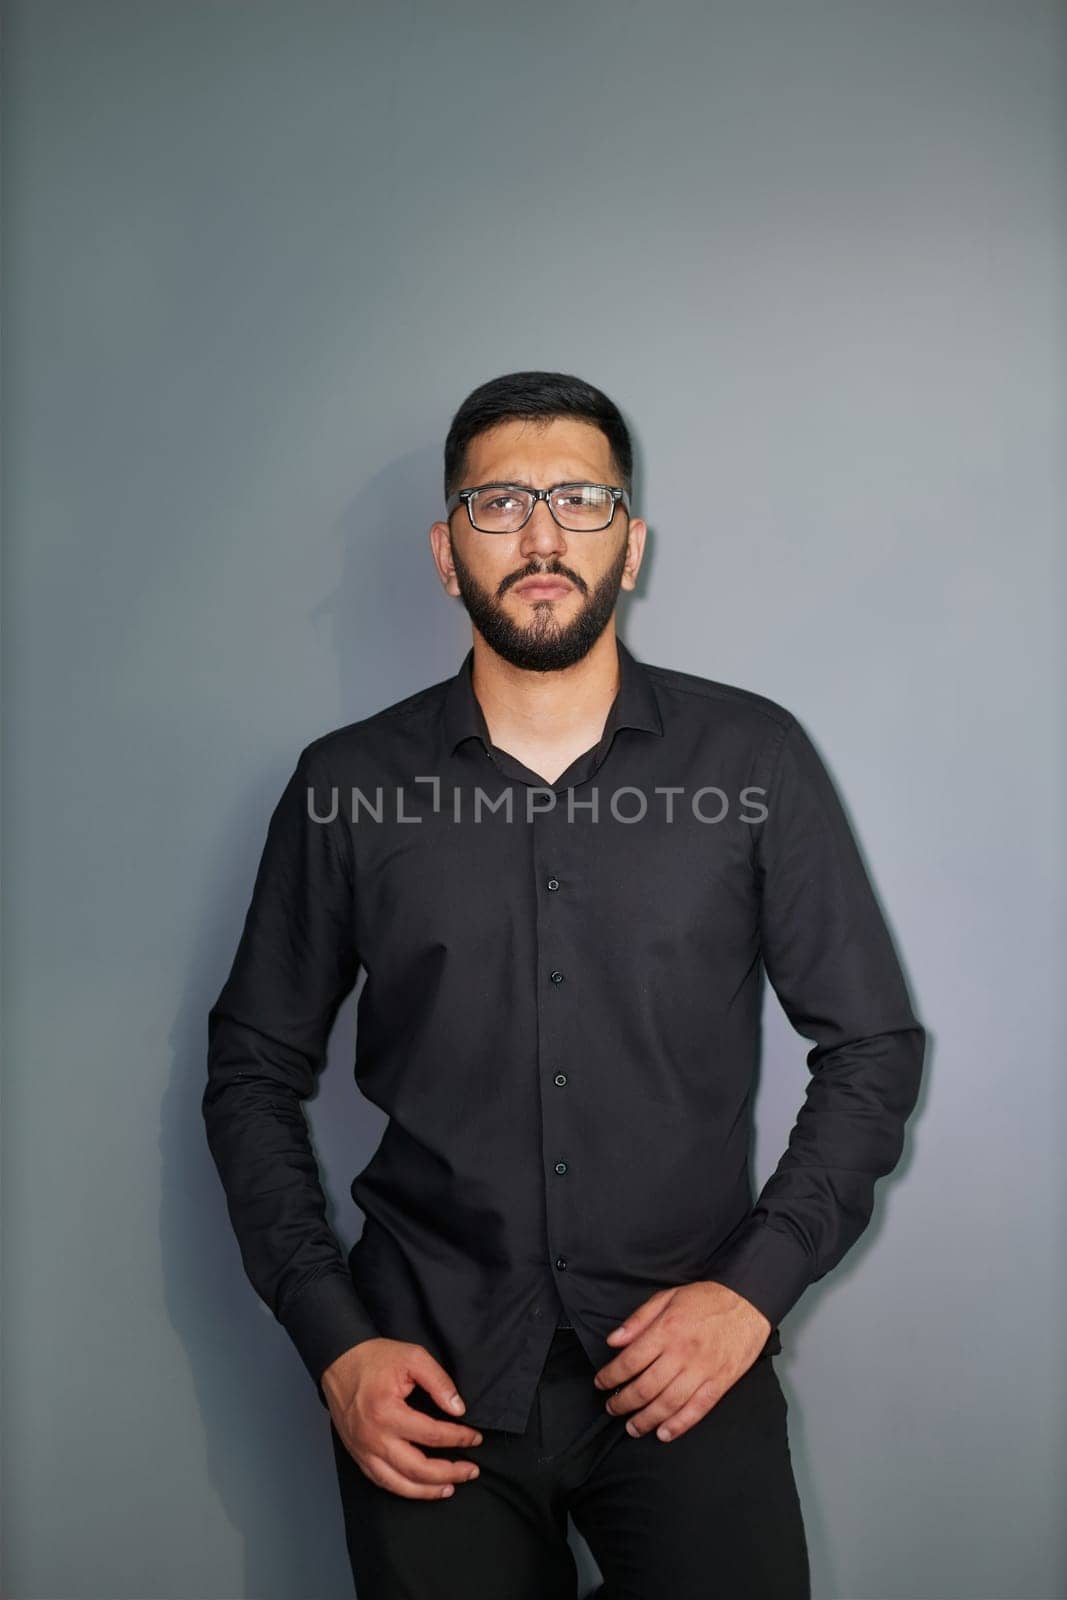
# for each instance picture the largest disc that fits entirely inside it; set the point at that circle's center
(644, 1389)
(421, 1429)
(430, 1375)
(410, 1462)
(638, 1319)
(670, 1398)
(379, 1471)
(629, 1363)
(700, 1402)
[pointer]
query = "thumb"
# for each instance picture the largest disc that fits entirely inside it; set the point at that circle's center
(431, 1376)
(639, 1319)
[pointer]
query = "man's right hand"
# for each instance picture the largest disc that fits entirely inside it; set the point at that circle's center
(366, 1392)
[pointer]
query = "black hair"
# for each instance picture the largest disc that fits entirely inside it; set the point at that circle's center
(522, 396)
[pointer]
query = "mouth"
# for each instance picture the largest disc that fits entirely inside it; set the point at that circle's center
(543, 588)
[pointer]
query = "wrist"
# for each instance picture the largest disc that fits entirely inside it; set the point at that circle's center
(744, 1308)
(341, 1366)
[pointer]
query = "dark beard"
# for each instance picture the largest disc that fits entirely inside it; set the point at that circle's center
(543, 645)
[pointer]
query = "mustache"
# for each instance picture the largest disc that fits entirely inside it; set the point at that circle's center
(557, 571)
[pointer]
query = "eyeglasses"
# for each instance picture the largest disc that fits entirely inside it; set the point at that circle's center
(507, 507)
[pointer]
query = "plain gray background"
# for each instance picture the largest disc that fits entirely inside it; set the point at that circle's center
(256, 254)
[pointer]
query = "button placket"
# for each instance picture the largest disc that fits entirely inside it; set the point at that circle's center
(551, 840)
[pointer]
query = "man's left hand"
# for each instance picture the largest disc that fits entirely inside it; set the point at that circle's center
(684, 1347)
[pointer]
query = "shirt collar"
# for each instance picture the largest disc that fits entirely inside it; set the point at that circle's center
(635, 705)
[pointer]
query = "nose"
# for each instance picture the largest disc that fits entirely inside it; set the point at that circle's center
(542, 535)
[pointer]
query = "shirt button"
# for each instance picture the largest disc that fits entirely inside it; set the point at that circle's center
(561, 1167)
(557, 976)
(561, 1263)
(553, 883)
(560, 1079)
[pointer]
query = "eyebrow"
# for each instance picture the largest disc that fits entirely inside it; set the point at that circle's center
(520, 483)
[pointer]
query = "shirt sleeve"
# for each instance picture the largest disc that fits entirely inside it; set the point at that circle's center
(829, 956)
(267, 1035)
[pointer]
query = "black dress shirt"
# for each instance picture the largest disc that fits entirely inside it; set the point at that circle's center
(561, 1019)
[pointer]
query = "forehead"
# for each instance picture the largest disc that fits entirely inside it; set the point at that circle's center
(540, 453)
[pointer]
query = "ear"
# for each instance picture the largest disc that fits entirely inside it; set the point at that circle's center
(635, 542)
(441, 549)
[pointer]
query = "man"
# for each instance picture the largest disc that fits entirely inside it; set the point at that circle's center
(563, 872)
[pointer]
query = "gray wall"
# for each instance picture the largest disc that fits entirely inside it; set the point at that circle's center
(255, 255)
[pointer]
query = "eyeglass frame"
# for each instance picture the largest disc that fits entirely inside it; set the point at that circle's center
(464, 495)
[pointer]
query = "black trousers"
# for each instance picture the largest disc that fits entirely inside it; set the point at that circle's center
(712, 1514)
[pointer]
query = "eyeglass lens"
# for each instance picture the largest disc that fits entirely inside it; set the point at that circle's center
(576, 506)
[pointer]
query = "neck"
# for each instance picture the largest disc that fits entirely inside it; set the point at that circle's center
(546, 708)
